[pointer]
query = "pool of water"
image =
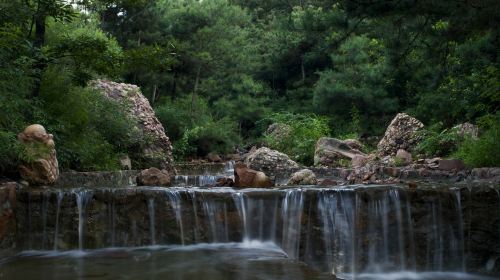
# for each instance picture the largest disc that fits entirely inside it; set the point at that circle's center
(246, 261)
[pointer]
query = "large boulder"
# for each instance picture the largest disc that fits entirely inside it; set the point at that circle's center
(467, 129)
(157, 151)
(40, 166)
(247, 177)
(278, 130)
(303, 177)
(153, 177)
(400, 134)
(269, 161)
(329, 151)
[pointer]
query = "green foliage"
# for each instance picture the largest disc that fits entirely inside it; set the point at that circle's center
(483, 152)
(438, 142)
(299, 143)
(193, 131)
(359, 80)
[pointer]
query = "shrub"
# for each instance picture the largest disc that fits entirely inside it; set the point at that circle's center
(483, 152)
(300, 142)
(437, 142)
(213, 136)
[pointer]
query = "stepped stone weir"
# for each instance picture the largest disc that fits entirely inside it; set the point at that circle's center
(350, 232)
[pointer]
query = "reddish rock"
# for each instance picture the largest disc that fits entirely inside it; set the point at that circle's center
(153, 177)
(412, 185)
(39, 147)
(451, 165)
(246, 177)
(328, 182)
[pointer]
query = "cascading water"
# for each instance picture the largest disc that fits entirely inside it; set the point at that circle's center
(346, 231)
(60, 196)
(83, 197)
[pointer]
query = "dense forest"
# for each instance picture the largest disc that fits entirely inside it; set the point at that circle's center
(218, 72)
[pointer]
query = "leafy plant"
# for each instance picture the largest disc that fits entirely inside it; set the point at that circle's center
(300, 142)
(482, 152)
(437, 142)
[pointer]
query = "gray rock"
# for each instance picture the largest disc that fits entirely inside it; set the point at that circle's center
(467, 129)
(400, 134)
(329, 151)
(404, 157)
(303, 177)
(158, 150)
(269, 161)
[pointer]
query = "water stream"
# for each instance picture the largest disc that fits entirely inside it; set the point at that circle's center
(354, 232)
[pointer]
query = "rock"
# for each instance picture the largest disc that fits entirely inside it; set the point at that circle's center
(224, 182)
(126, 163)
(42, 167)
(354, 144)
(328, 182)
(246, 177)
(269, 161)
(359, 161)
(412, 185)
(400, 134)
(303, 177)
(235, 157)
(329, 151)
(404, 157)
(467, 129)
(153, 177)
(213, 157)
(157, 152)
(278, 130)
(451, 165)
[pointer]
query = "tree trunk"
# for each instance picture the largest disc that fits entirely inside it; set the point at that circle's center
(153, 98)
(38, 43)
(193, 95)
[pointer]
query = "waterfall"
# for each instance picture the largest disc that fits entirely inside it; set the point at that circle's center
(151, 211)
(83, 197)
(175, 202)
(292, 219)
(344, 230)
(60, 196)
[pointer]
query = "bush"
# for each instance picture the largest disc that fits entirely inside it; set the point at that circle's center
(213, 136)
(437, 142)
(300, 142)
(483, 152)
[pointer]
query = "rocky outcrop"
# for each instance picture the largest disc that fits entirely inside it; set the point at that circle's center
(467, 129)
(153, 177)
(329, 151)
(400, 134)
(158, 150)
(40, 166)
(247, 177)
(269, 161)
(303, 177)
(451, 165)
(278, 130)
